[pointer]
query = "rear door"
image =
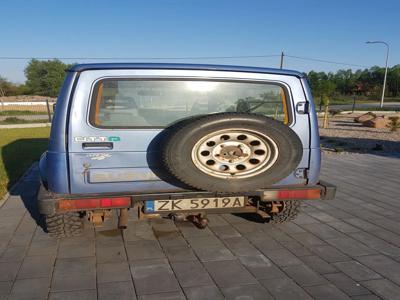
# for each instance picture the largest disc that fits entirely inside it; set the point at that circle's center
(117, 118)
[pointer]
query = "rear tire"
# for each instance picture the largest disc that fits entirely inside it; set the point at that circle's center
(64, 225)
(289, 212)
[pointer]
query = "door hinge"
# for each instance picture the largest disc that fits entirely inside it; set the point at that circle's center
(302, 107)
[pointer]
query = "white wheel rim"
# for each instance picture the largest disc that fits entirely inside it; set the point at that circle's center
(234, 153)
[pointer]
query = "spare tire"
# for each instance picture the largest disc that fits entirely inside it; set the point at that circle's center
(231, 152)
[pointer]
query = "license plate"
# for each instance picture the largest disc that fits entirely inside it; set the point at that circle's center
(193, 204)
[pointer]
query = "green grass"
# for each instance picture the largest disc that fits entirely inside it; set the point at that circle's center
(15, 120)
(19, 148)
(21, 112)
(359, 99)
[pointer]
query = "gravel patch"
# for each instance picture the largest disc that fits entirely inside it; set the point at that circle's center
(345, 135)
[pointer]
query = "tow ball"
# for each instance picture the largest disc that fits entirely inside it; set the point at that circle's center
(199, 220)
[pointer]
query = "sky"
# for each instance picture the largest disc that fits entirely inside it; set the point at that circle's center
(328, 30)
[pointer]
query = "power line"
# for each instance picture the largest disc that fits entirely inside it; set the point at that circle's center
(187, 58)
(137, 58)
(326, 61)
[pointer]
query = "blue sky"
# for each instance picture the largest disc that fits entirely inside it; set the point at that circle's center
(333, 30)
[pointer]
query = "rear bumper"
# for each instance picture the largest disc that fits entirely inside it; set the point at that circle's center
(48, 203)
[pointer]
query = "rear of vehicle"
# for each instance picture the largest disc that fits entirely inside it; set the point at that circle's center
(180, 139)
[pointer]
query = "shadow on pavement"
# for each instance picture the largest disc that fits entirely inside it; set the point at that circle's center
(27, 188)
(17, 157)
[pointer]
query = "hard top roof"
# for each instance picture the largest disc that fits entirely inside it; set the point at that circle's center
(116, 66)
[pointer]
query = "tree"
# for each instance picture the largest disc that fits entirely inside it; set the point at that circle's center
(45, 77)
(393, 81)
(7, 88)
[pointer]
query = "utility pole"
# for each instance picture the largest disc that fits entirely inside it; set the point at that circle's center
(386, 67)
(282, 55)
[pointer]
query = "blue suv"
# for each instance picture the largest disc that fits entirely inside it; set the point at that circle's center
(179, 140)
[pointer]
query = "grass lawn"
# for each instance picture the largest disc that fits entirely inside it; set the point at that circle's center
(22, 112)
(19, 148)
(15, 120)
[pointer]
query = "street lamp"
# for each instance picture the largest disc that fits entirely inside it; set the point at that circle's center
(386, 66)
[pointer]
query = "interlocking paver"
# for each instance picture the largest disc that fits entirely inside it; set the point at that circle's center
(308, 239)
(35, 288)
(296, 248)
(261, 267)
(214, 253)
(304, 275)
(240, 246)
(108, 254)
(5, 288)
(153, 276)
(43, 247)
(80, 250)
(13, 254)
(203, 293)
(113, 272)
(116, 290)
(72, 295)
(204, 241)
(318, 264)
(356, 270)
(191, 273)
(164, 296)
(144, 250)
(348, 247)
(376, 243)
(384, 288)
(180, 253)
(229, 273)
(74, 274)
(282, 257)
(383, 265)
(346, 284)
(326, 292)
(284, 289)
(225, 232)
(366, 297)
(9, 270)
(329, 254)
(251, 291)
(36, 267)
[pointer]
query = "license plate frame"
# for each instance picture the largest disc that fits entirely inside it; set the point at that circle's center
(194, 204)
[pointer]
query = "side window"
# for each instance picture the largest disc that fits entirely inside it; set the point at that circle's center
(129, 103)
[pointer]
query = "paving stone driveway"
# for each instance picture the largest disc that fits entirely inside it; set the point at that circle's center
(341, 249)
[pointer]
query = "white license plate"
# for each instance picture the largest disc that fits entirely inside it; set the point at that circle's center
(193, 204)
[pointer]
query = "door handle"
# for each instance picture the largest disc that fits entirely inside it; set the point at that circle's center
(98, 146)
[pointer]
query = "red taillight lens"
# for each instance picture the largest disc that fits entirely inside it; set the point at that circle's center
(292, 194)
(93, 203)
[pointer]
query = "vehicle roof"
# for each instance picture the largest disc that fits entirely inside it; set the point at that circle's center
(116, 66)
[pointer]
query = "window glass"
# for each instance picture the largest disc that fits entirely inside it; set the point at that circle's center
(158, 103)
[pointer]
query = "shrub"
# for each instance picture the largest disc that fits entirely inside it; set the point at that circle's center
(394, 123)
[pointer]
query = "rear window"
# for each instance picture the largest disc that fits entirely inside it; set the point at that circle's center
(130, 103)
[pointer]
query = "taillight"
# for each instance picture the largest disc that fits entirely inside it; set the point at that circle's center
(93, 203)
(292, 194)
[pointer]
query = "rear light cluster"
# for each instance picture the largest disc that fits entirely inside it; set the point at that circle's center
(302, 194)
(93, 203)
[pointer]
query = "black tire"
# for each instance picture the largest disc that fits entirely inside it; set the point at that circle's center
(289, 213)
(177, 151)
(64, 225)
